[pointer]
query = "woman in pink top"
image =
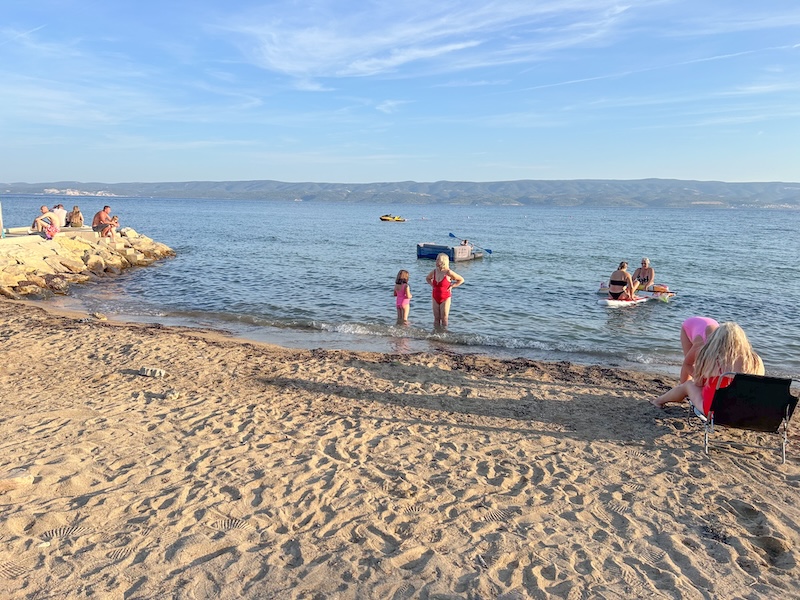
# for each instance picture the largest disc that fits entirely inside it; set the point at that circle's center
(727, 350)
(694, 332)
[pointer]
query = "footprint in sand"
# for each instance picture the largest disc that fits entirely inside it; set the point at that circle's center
(65, 532)
(11, 570)
(230, 524)
(777, 552)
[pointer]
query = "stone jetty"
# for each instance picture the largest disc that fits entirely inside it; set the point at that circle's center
(32, 266)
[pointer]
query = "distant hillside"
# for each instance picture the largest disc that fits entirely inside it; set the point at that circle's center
(581, 192)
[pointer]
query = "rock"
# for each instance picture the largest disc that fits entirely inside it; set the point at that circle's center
(26, 288)
(35, 280)
(151, 372)
(9, 279)
(99, 316)
(95, 264)
(9, 293)
(54, 262)
(58, 284)
(72, 265)
(77, 277)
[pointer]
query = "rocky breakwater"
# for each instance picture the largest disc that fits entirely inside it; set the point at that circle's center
(31, 266)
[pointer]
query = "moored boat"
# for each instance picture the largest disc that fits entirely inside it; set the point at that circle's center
(454, 253)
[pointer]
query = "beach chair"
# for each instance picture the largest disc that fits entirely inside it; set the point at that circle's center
(752, 402)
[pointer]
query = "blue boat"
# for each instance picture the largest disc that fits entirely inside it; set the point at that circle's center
(454, 253)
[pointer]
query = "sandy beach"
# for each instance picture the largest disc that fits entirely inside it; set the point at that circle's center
(141, 461)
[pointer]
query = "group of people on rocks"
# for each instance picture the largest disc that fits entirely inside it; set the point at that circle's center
(50, 222)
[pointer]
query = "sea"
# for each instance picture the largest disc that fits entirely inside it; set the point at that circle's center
(302, 274)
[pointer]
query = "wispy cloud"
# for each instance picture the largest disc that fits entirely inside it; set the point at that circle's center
(328, 41)
(390, 106)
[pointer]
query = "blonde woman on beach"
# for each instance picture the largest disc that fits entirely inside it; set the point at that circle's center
(403, 297)
(727, 350)
(442, 279)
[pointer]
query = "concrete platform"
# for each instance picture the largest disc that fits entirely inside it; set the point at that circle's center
(21, 235)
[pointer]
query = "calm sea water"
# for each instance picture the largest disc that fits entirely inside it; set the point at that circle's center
(310, 275)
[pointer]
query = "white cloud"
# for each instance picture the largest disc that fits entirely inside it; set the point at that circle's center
(390, 106)
(328, 41)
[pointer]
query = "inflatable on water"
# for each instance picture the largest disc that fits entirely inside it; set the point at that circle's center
(653, 291)
(620, 303)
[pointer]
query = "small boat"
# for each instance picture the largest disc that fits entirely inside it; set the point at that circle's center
(392, 218)
(455, 253)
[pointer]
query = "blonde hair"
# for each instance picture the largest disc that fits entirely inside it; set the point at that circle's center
(646, 261)
(727, 349)
(443, 262)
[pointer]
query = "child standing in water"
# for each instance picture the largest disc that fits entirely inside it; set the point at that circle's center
(403, 297)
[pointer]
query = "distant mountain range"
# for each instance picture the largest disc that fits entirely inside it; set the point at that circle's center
(580, 192)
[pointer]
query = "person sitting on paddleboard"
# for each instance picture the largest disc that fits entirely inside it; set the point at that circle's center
(644, 277)
(620, 284)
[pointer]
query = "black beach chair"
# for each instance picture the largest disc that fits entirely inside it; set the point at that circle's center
(752, 402)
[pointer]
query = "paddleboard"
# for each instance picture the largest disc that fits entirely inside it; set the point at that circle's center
(654, 291)
(620, 303)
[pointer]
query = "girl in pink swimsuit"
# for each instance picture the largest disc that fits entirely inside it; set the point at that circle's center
(442, 279)
(403, 297)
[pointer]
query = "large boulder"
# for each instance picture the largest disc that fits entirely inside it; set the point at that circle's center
(27, 288)
(57, 284)
(95, 263)
(9, 293)
(8, 279)
(73, 265)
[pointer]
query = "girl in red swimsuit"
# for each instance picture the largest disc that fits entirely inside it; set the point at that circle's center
(727, 350)
(442, 279)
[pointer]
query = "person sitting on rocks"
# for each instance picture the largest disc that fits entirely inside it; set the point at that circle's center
(75, 217)
(46, 223)
(101, 221)
(111, 229)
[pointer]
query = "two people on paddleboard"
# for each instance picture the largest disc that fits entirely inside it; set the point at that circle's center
(622, 285)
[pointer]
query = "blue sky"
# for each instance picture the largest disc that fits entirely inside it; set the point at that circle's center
(343, 91)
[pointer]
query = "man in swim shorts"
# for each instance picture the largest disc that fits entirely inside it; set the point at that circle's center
(102, 220)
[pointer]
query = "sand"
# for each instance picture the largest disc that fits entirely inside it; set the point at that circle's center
(253, 471)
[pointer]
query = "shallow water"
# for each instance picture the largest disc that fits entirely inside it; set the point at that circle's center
(310, 275)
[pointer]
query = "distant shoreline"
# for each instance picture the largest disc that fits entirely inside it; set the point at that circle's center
(642, 193)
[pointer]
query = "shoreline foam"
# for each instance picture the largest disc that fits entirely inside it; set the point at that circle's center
(254, 471)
